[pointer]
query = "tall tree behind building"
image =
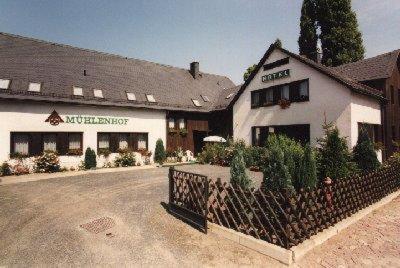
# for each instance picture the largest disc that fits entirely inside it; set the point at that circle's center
(308, 38)
(340, 38)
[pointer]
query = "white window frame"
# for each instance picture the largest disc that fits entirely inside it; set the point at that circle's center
(5, 83)
(196, 103)
(98, 93)
(130, 96)
(77, 91)
(35, 87)
(150, 98)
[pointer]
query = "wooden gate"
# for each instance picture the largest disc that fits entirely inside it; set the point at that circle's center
(188, 197)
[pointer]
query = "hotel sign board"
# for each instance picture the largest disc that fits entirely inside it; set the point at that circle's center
(274, 76)
(54, 119)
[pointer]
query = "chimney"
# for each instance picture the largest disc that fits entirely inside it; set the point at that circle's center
(194, 69)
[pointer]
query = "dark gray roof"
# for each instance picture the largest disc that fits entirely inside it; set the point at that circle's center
(379, 67)
(226, 97)
(60, 67)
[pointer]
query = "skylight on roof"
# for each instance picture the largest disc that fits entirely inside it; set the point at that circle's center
(229, 96)
(34, 87)
(98, 93)
(4, 83)
(77, 91)
(130, 96)
(150, 98)
(205, 98)
(196, 103)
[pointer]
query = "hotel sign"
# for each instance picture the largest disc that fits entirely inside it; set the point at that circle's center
(274, 76)
(54, 119)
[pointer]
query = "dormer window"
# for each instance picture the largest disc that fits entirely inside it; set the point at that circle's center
(98, 93)
(150, 98)
(5, 83)
(205, 98)
(34, 87)
(77, 91)
(196, 103)
(130, 96)
(229, 96)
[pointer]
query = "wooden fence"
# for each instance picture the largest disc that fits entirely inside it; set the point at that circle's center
(283, 218)
(286, 218)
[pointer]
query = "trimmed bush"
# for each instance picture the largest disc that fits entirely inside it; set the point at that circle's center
(276, 175)
(5, 169)
(159, 154)
(125, 158)
(238, 170)
(90, 159)
(307, 177)
(48, 162)
(255, 156)
(364, 154)
(333, 157)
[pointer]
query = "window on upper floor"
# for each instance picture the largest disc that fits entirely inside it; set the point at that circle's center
(98, 93)
(77, 91)
(205, 98)
(5, 83)
(34, 87)
(196, 103)
(130, 96)
(297, 91)
(150, 98)
(182, 123)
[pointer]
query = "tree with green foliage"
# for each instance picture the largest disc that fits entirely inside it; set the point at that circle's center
(276, 175)
(308, 38)
(364, 154)
(238, 170)
(307, 177)
(340, 38)
(159, 154)
(249, 71)
(90, 159)
(333, 156)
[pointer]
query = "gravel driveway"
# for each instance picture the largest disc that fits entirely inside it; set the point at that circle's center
(39, 224)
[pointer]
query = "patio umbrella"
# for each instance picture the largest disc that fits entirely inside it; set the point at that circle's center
(214, 139)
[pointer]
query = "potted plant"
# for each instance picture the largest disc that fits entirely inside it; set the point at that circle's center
(284, 103)
(183, 132)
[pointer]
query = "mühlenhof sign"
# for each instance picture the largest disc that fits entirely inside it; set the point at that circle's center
(277, 75)
(54, 119)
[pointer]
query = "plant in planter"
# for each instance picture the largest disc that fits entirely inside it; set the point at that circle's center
(284, 103)
(159, 154)
(172, 130)
(183, 131)
(104, 152)
(179, 154)
(74, 152)
(90, 159)
(48, 162)
(145, 155)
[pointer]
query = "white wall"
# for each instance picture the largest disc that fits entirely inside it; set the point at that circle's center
(327, 97)
(20, 116)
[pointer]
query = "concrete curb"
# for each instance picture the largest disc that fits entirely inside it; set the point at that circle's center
(290, 256)
(45, 176)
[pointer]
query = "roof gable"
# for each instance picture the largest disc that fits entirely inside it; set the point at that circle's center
(347, 82)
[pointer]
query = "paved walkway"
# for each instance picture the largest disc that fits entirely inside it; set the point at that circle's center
(374, 241)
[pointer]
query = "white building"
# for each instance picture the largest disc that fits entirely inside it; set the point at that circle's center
(292, 95)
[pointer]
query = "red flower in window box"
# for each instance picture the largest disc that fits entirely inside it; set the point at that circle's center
(284, 103)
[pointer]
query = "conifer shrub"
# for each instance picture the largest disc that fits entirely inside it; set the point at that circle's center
(5, 169)
(333, 157)
(307, 177)
(238, 170)
(364, 154)
(90, 159)
(159, 153)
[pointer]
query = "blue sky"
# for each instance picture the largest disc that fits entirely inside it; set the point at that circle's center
(225, 36)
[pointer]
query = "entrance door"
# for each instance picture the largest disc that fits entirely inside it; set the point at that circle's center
(198, 137)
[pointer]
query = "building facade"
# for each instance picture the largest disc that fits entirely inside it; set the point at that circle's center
(291, 95)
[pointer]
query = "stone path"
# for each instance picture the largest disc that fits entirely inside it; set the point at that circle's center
(374, 241)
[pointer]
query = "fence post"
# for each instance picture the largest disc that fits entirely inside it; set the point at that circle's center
(206, 198)
(171, 185)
